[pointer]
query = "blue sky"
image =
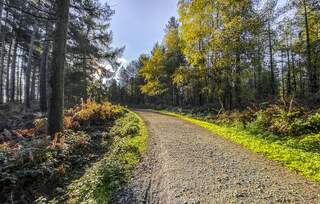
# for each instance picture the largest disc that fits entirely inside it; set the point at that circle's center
(139, 24)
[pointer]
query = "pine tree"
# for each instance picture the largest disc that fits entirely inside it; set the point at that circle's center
(56, 82)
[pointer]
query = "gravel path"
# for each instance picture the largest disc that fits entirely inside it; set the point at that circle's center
(188, 164)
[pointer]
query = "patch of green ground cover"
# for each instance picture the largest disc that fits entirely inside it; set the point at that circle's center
(104, 178)
(297, 153)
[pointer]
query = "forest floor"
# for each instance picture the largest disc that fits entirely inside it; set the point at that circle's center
(88, 163)
(185, 163)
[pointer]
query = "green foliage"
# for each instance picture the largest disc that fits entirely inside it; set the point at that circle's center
(308, 143)
(313, 123)
(278, 120)
(152, 72)
(296, 122)
(151, 75)
(126, 126)
(105, 177)
(299, 154)
(275, 118)
(226, 53)
(234, 117)
(89, 51)
(97, 91)
(34, 164)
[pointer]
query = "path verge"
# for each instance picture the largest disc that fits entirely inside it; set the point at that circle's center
(304, 162)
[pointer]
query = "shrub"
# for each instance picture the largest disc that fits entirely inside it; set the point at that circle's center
(92, 113)
(26, 161)
(104, 178)
(126, 126)
(235, 117)
(278, 120)
(313, 122)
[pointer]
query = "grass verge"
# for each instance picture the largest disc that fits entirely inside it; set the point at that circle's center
(104, 178)
(289, 152)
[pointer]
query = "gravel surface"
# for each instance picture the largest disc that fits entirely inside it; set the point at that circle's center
(188, 164)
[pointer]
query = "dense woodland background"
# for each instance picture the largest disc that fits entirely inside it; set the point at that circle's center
(228, 55)
(54, 53)
(27, 34)
(218, 55)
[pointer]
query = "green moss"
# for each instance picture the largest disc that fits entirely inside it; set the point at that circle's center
(295, 153)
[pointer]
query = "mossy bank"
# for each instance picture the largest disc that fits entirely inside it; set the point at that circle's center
(105, 177)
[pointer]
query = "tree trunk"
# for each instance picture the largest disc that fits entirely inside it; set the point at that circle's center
(18, 79)
(282, 75)
(1, 11)
(238, 81)
(33, 84)
(27, 97)
(289, 90)
(228, 91)
(259, 90)
(301, 81)
(272, 78)
(20, 82)
(43, 72)
(13, 71)
(3, 50)
(56, 83)
(294, 73)
(85, 77)
(8, 73)
(311, 69)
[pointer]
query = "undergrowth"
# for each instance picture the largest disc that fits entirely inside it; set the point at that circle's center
(297, 153)
(104, 178)
(86, 163)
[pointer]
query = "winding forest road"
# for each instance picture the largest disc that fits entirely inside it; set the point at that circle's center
(188, 164)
